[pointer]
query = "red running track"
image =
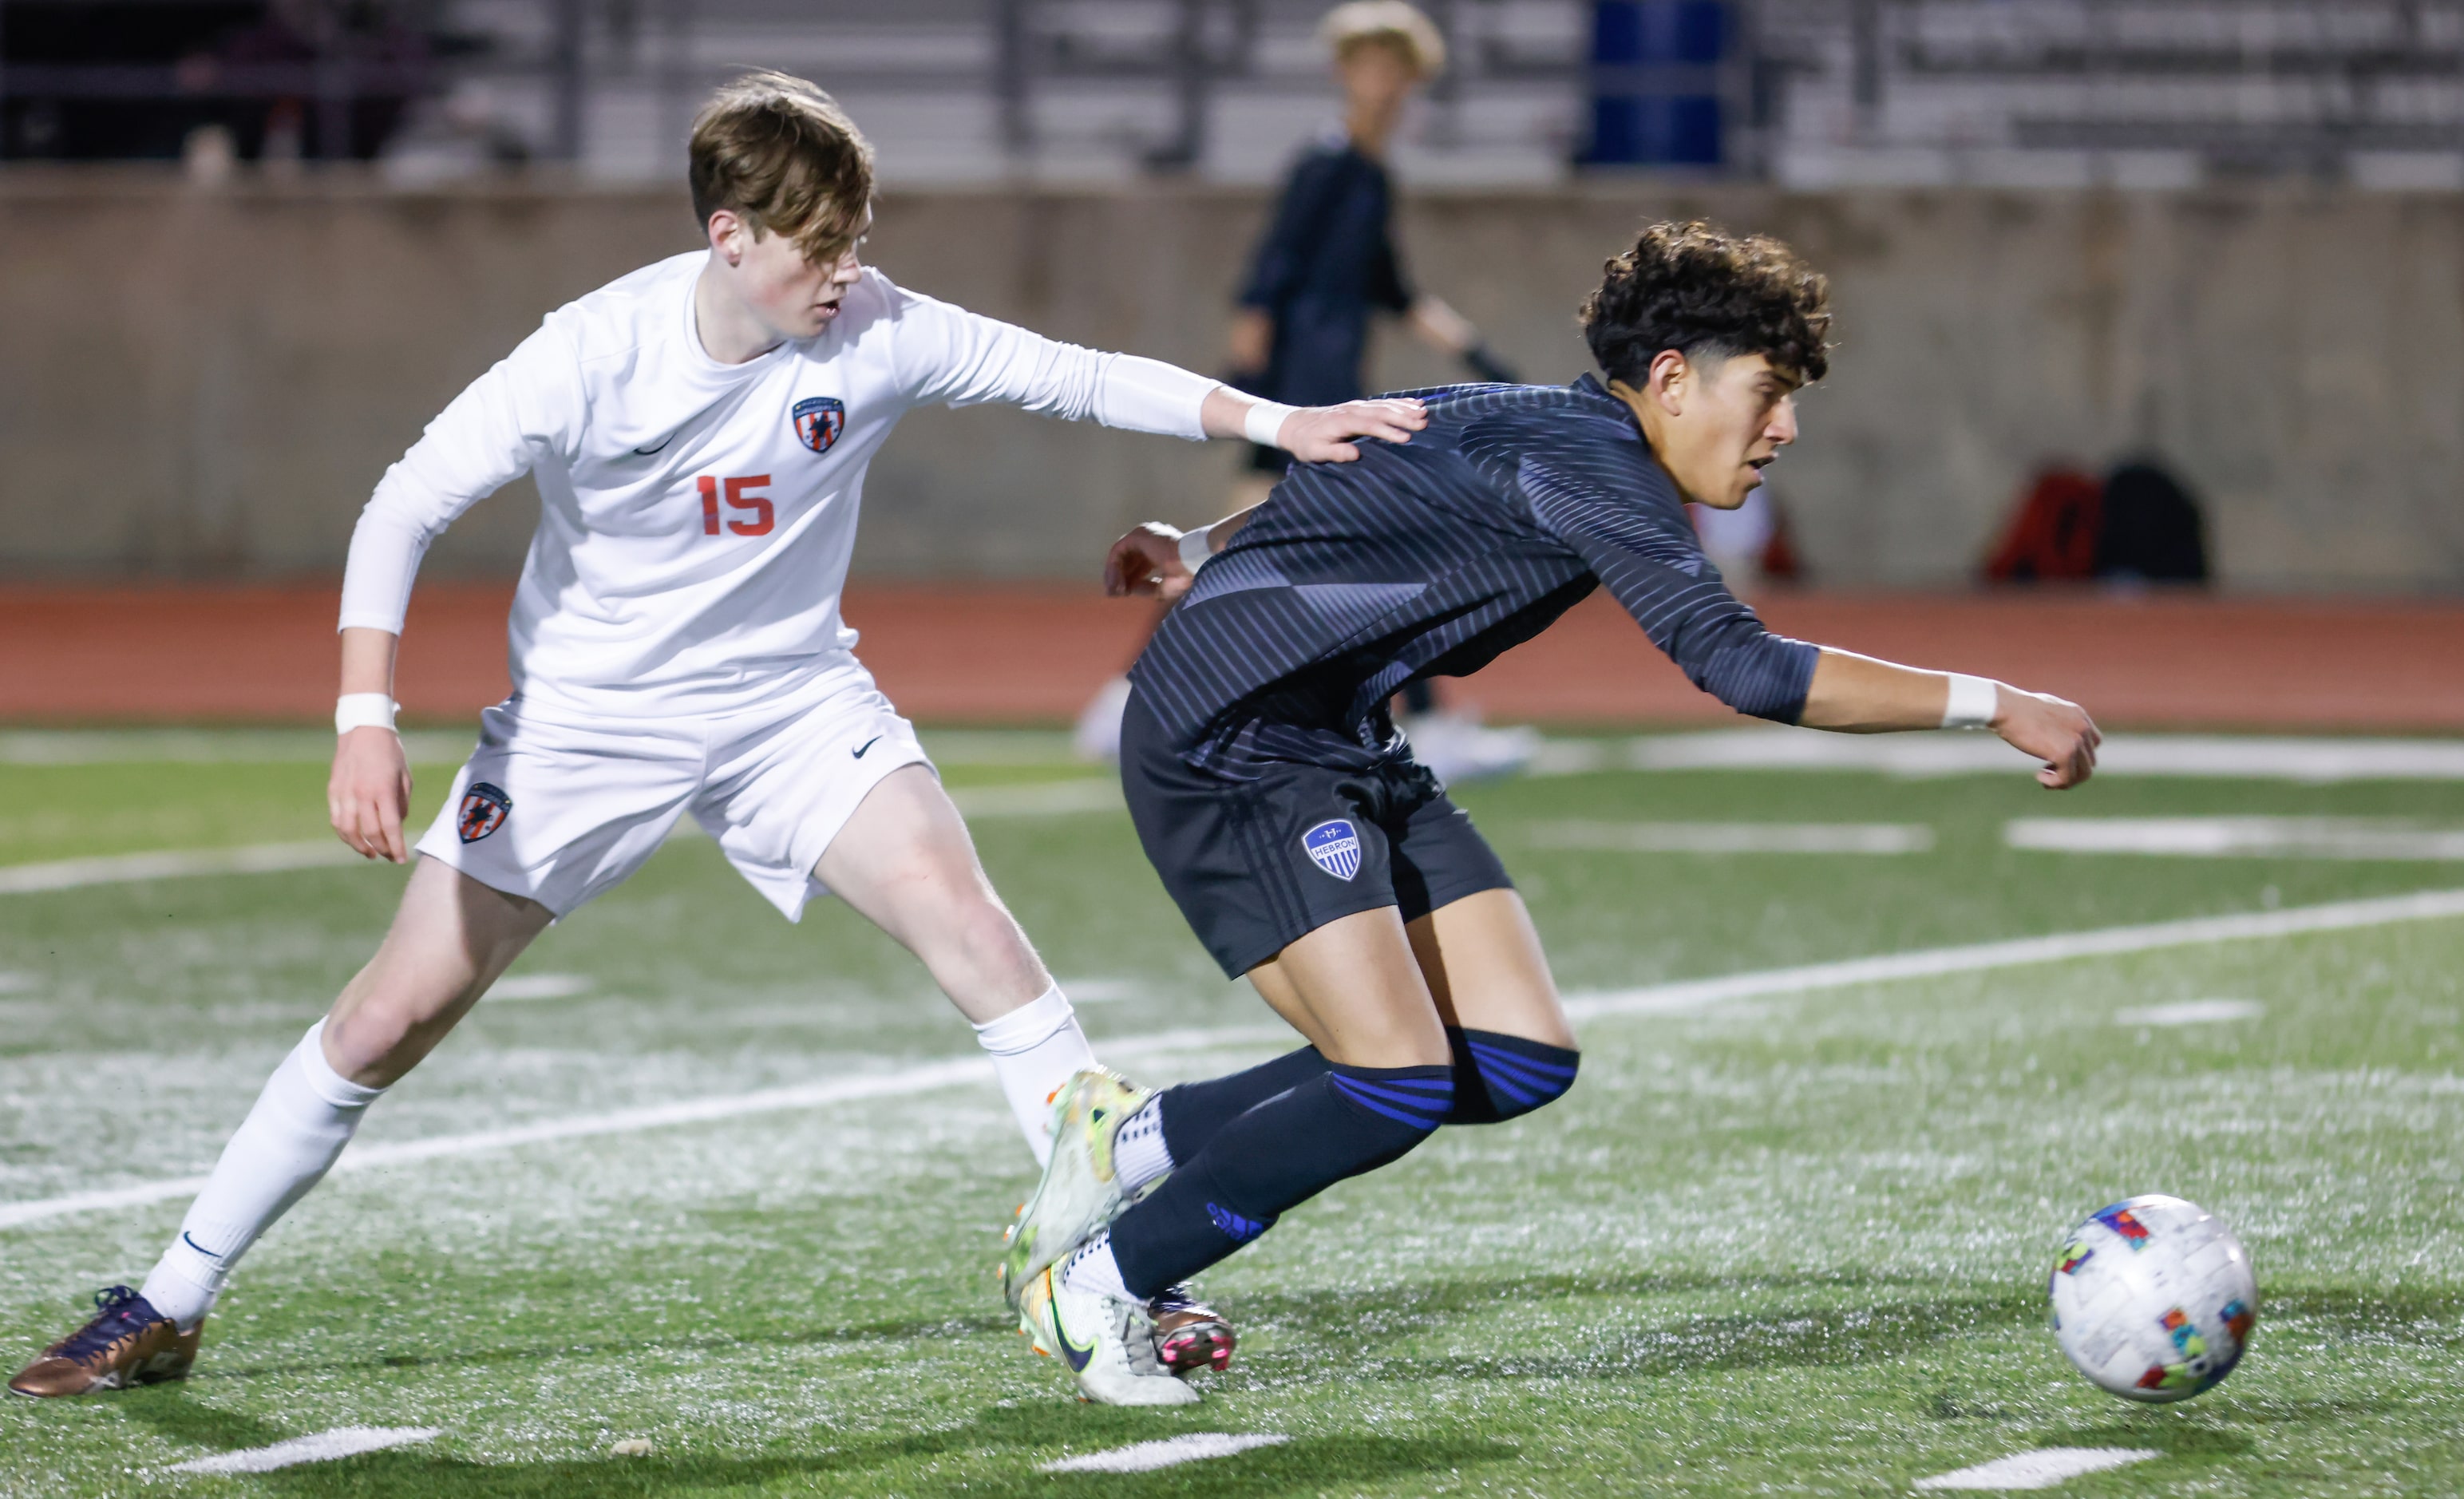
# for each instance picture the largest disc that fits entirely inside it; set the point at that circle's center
(1012, 653)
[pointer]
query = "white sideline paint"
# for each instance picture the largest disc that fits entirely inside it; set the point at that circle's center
(1145, 1457)
(1733, 837)
(2314, 759)
(1663, 999)
(325, 1446)
(263, 858)
(16, 983)
(540, 986)
(1651, 1000)
(1047, 798)
(2191, 1012)
(2237, 837)
(2042, 1468)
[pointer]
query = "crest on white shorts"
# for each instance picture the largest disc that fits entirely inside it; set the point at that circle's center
(484, 809)
(1333, 846)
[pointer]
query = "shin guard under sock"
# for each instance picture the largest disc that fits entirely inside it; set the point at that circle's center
(301, 1121)
(1500, 1077)
(1192, 1112)
(1274, 1156)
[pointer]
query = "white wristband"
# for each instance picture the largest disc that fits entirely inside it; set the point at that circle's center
(1193, 550)
(1264, 423)
(362, 711)
(1974, 702)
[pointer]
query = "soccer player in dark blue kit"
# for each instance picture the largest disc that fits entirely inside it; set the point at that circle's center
(1307, 849)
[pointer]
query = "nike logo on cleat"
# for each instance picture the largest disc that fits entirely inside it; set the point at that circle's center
(868, 745)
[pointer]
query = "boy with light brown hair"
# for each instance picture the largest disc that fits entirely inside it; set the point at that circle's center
(699, 431)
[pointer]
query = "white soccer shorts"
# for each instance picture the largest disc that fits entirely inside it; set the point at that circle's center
(561, 806)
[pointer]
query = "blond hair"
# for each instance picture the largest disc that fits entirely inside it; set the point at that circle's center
(1385, 23)
(782, 155)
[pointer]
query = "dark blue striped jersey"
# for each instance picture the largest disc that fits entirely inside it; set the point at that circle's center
(1430, 559)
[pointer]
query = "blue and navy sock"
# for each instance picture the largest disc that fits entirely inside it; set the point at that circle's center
(1194, 1112)
(1500, 1077)
(1272, 1157)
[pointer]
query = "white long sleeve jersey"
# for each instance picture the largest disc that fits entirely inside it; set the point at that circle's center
(697, 517)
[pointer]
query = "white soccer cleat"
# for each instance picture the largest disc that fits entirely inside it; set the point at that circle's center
(1081, 1191)
(1107, 1343)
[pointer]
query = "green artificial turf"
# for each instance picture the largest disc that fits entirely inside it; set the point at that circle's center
(1795, 1243)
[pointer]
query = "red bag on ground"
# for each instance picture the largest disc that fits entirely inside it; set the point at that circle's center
(2052, 538)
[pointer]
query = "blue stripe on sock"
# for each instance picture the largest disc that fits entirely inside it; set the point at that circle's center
(1490, 1055)
(1522, 1092)
(1503, 1076)
(1419, 1114)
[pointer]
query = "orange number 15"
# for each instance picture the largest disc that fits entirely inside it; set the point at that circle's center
(737, 499)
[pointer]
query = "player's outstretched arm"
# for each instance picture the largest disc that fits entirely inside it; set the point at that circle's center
(1858, 694)
(369, 794)
(1310, 434)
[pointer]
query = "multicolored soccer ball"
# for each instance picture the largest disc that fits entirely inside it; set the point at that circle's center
(2154, 1299)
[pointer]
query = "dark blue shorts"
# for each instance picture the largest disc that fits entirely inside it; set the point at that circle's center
(1261, 857)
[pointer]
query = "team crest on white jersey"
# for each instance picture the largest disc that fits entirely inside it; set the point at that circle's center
(484, 809)
(1333, 846)
(818, 421)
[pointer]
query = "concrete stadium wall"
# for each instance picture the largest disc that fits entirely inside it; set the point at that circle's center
(206, 384)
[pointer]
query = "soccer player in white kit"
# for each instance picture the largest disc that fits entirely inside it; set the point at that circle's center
(698, 432)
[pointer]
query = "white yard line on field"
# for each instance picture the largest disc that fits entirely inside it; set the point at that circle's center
(325, 1446)
(539, 987)
(1882, 838)
(2042, 1468)
(1651, 1000)
(2191, 1012)
(121, 868)
(1660, 999)
(2237, 837)
(1043, 799)
(1145, 1457)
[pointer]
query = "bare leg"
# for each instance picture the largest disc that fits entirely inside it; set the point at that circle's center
(1353, 988)
(1485, 970)
(452, 938)
(904, 861)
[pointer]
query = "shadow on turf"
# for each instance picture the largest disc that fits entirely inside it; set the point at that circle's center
(1000, 1438)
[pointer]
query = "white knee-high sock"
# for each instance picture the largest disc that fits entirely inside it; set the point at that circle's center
(306, 1114)
(1035, 1049)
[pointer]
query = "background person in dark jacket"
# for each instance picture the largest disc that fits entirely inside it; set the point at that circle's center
(1328, 262)
(1327, 265)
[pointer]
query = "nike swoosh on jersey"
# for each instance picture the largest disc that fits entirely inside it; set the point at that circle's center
(866, 745)
(660, 448)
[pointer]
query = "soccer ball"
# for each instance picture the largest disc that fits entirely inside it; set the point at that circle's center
(2154, 1299)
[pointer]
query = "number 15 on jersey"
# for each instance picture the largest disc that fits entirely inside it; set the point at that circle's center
(757, 518)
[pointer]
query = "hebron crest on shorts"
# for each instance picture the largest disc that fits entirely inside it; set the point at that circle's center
(818, 420)
(483, 811)
(1334, 847)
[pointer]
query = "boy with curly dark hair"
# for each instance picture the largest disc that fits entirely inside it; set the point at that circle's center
(1307, 849)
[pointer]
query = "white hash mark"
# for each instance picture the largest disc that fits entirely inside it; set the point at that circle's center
(325, 1446)
(2191, 1012)
(2039, 1469)
(1143, 1457)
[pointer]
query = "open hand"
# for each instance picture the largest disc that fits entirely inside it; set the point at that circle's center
(2055, 731)
(369, 793)
(1326, 433)
(1147, 562)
